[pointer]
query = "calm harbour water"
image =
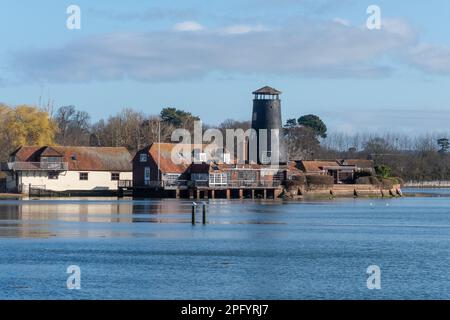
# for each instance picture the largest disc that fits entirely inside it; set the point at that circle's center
(249, 250)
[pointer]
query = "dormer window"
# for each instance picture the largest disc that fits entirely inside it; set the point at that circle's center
(143, 157)
(73, 157)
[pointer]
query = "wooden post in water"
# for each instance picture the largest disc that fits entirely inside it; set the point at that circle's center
(204, 213)
(193, 213)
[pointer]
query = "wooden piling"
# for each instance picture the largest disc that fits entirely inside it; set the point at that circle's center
(193, 214)
(204, 213)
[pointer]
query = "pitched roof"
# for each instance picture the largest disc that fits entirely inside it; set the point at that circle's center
(50, 152)
(360, 163)
(317, 166)
(293, 168)
(161, 153)
(267, 90)
(80, 158)
(25, 153)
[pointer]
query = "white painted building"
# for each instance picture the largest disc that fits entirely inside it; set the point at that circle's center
(93, 169)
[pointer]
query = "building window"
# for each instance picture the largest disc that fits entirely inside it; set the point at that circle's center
(147, 174)
(84, 176)
(115, 176)
(143, 157)
(51, 159)
(218, 179)
(53, 176)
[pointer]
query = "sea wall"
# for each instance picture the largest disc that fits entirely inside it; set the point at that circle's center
(343, 190)
(427, 184)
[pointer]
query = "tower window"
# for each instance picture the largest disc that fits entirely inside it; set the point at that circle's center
(143, 157)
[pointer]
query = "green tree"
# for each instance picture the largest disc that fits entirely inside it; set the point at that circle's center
(290, 123)
(315, 123)
(177, 118)
(383, 171)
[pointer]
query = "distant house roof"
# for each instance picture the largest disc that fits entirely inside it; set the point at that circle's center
(293, 168)
(360, 163)
(311, 166)
(80, 158)
(267, 90)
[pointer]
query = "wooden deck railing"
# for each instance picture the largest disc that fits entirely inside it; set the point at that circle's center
(38, 166)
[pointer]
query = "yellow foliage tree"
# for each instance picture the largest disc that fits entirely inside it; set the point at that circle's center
(25, 125)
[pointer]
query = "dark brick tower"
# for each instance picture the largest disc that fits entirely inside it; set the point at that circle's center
(267, 115)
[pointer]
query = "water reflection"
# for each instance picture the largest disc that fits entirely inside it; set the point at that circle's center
(109, 217)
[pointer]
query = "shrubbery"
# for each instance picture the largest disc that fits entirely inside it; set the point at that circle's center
(316, 180)
(367, 180)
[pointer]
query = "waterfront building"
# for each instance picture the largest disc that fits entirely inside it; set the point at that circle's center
(47, 169)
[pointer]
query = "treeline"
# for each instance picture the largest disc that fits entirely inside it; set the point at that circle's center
(29, 125)
(412, 158)
(419, 158)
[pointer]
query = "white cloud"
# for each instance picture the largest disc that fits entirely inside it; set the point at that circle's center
(343, 22)
(188, 26)
(431, 58)
(242, 29)
(317, 49)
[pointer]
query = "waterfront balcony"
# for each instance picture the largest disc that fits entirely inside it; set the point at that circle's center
(237, 184)
(37, 166)
(208, 184)
(125, 183)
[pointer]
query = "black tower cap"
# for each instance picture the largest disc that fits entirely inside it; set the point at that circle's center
(267, 90)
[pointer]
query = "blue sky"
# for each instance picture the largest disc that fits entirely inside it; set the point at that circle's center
(207, 56)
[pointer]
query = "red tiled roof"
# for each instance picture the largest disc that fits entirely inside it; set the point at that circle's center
(292, 168)
(317, 165)
(50, 152)
(166, 164)
(360, 163)
(26, 153)
(80, 158)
